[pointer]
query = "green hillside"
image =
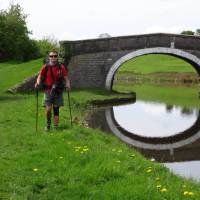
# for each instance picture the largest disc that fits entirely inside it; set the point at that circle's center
(13, 73)
(74, 162)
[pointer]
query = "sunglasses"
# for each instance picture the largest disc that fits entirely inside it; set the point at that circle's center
(53, 56)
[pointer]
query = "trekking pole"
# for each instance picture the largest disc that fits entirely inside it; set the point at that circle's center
(69, 103)
(36, 125)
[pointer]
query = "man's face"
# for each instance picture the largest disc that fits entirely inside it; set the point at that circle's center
(53, 57)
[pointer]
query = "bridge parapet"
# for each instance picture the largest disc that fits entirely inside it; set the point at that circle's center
(91, 61)
(131, 42)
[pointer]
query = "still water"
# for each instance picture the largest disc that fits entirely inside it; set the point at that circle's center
(167, 132)
(150, 119)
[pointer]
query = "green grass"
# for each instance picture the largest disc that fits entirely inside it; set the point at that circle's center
(13, 73)
(156, 63)
(39, 166)
(170, 95)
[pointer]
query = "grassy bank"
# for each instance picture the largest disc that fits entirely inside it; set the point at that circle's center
(156, 63)
(171, 95)
(74, 162)
(13, 73)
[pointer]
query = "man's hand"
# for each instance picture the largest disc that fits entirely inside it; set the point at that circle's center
(68, 85)
(36, 85)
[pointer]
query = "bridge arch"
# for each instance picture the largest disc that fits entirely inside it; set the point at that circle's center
(188, 57)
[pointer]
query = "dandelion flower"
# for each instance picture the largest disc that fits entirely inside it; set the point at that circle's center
(35, 169)
(185, 193)
(190, 193)
(158, 186)
(163, 190)
(149, 170)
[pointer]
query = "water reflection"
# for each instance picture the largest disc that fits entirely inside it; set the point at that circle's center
(150, 119)
(174, 138)
(179, 168)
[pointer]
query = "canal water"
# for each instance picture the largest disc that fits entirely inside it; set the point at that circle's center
(164, 127)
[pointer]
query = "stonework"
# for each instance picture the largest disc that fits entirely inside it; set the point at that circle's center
(93, 63)
(26, 86)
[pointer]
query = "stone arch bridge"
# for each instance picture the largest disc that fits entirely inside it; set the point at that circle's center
(93, 62)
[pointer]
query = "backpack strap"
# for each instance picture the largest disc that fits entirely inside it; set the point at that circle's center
(46, 70)
(60, 68)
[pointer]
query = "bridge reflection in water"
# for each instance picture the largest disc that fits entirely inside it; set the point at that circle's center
(172, 150)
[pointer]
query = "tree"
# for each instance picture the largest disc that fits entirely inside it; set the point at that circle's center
(187, 32)
(46, 44)
(198, 32)
(14, 35)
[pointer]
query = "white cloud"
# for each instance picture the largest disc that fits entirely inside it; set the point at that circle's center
(80, 19)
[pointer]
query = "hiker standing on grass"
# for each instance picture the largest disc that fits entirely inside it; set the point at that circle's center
(53, 78)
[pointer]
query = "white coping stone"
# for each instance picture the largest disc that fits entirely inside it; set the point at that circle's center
(146, 51)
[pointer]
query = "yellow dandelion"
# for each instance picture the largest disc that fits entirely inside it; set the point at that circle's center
(35, 169)
(148, 170)
(185, 193)
(191, 193)
(158, 186)
(163, 190)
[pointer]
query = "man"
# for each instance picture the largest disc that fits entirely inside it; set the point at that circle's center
(54, 77)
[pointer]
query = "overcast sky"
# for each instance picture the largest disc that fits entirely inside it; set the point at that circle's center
(84, 19)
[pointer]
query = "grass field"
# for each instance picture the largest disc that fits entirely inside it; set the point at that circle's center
(155, 63)
(74, 162)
